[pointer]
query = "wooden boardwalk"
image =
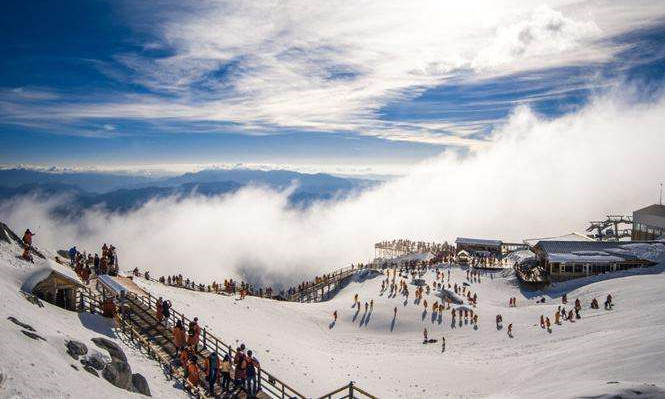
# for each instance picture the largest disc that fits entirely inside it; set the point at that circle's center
(143, 318)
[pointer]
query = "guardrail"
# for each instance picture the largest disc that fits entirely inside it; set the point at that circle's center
(273, 387)
(268, 383)
(334, 278)
(348, 391)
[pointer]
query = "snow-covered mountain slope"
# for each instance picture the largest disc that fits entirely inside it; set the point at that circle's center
(603, 352)
(42, 369)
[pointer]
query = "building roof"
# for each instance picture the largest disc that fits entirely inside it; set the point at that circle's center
(478, 241)
(574, 236)
(113, 285)
(655, 210)
(590, 251)
(45, 272)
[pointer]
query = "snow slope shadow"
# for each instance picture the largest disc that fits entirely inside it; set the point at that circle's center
(97, 323)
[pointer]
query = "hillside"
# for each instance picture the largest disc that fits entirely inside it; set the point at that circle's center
(604, 352)
(119, 193)
(41, 368)
(616, 351)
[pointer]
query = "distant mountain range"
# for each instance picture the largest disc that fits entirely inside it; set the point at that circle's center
(119, 193)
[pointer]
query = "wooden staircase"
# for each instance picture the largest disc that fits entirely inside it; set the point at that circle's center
(139, 314)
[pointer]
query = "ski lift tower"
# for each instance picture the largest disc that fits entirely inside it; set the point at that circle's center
(611, 229)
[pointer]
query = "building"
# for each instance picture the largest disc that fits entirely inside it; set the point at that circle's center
(479, 247)
(563, 260)
(649, 223)
(487, 248)
(56, 284)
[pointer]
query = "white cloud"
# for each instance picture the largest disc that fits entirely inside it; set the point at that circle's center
(331, 66)
(538, 178)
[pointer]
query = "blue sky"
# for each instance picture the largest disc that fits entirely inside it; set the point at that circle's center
(126, 83)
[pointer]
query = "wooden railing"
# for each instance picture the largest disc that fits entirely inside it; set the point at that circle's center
(333, 278)
(348, 391)
(268, 383)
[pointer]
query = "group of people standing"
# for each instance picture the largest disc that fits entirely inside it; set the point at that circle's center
(85, 265)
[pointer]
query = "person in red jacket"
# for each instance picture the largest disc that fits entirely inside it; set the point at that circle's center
(179, 336)
(27, 237)
(193, 372)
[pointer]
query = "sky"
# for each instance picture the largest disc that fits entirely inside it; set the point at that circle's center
(376, 86)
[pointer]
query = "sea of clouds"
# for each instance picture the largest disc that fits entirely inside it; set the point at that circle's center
(539, 177)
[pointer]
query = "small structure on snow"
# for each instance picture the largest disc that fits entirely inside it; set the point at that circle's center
(54, 284)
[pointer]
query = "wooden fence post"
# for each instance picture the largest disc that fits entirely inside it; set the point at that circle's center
(351, 390)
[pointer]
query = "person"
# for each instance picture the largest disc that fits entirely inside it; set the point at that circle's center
(395, 312)
(27, 237)
(608, 302)
(26, 253)
(510, 330)
(166, 311)
(160, 310)
(371, 305)
(193, 372)
(179, 336)
(425, 335)
(547, 323)
(184, 358)
(241, 366)
(212, 372)
(194, 331)
(443, 344)
(564, 299)
(225, 369)
(542, 321)
(594, 303)
(72, 255)
(557, 318)
(252, 370)
(335, 315)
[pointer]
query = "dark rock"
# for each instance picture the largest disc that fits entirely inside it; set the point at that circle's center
(114, 350)
(118, 374)
(96, 362)
(18, 323)
(140, 384)
(33, 335)
(76, 349)
(91, 370)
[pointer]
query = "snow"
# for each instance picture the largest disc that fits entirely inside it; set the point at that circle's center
(300, 345)
(115, 286)
(42, 369)
(42, 272)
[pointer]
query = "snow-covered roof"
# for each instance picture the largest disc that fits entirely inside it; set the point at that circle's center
(45, 271)
(573, 236)
(600, 251)
(478, 241)
(590, 257)
(113, 285)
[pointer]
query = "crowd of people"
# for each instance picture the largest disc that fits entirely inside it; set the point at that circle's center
(240, 372)
(87, 265)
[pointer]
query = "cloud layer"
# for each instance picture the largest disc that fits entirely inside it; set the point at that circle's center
(538, 178)
(333, 66)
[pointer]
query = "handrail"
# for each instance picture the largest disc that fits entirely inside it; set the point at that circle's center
(348, 391)
(334, 277)
(270, 384)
